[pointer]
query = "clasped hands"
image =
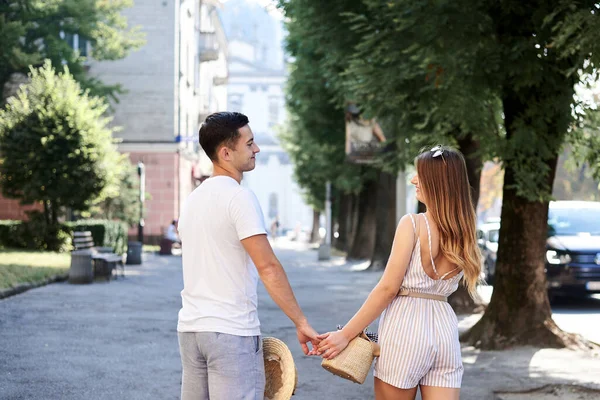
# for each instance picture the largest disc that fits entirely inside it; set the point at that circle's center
(327, 345)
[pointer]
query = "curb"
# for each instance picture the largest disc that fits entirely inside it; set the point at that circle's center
(23, 287)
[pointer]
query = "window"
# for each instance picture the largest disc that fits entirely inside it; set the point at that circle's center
(273, 110)
(77, 43)
(235, 102)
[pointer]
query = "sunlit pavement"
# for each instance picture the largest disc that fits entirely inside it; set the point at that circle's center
(117, 340)
(577, 315)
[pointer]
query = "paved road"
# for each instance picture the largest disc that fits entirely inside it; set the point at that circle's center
(118, 340)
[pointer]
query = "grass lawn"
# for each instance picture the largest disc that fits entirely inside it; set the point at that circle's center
(151, 248)
(28, 266)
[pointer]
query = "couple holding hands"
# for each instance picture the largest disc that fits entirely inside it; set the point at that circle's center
(225, 251)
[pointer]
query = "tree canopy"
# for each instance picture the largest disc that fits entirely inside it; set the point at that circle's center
(36, 30)
(56, 146)
(502, 75)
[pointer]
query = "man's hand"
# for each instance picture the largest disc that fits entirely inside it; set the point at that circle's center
(332, 344)
(307, 334)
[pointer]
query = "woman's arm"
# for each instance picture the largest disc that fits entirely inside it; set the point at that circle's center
(381, 296)
(378, 132)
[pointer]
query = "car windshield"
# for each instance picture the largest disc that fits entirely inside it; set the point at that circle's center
(573, 221)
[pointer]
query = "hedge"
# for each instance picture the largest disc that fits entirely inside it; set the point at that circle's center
(12, 234)
(105, 233)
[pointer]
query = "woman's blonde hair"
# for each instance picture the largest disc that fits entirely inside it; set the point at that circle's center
(444, 182)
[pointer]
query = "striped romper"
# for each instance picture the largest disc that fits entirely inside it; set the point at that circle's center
(419, 337)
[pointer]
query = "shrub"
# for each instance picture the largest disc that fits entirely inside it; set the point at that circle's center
(11, 234)
(34, 234)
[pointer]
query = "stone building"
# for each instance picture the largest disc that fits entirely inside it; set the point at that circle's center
(257, 78)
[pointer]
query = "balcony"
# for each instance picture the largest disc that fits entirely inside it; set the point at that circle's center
(208, 47)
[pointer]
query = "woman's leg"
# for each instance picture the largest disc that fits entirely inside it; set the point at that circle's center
(439, 393)
(384, 391)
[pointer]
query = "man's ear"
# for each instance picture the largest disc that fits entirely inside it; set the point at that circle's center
(224, 153)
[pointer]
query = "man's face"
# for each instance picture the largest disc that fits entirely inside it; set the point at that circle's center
(243, 156)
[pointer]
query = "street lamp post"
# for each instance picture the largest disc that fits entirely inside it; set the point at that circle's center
(325, 248)
(142, 175)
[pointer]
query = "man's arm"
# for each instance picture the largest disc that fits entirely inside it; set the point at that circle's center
(276, 282)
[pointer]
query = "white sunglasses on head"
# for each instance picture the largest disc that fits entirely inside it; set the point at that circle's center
(438, 151)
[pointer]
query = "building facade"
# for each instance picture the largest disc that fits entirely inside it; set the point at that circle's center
(257, 79)
(177, 78)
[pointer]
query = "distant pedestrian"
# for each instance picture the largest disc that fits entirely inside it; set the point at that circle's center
(431, 254)
(171, 233)
(275, 227)
(225, 251)
(362, 135)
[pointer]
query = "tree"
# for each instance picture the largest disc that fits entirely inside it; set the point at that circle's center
(120, 201)
(535, 83)
(456, 67)
(321, 44)
(497, 77)
(33, 31)
(314, 136)
(55, 145)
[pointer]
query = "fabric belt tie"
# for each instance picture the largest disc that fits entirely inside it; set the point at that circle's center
(406, 292)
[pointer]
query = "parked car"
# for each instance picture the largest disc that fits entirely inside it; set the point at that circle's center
(572, 248)
(487, 238)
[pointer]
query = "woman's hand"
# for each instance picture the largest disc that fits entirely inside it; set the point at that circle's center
(332, 344)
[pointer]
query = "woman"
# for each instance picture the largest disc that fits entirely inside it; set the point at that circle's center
(431, 254)
(361, 134)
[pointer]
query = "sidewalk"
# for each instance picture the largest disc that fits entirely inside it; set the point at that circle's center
(118, 340)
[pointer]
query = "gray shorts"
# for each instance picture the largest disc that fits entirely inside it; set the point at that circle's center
(219, 366)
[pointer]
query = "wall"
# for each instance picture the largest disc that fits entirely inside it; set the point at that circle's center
(147, 110)
(161, 206)
(12, 209)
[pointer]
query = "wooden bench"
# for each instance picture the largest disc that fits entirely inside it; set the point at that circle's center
(167, 246)
(104, 260)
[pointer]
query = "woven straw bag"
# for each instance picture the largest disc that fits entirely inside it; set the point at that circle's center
(354, 362)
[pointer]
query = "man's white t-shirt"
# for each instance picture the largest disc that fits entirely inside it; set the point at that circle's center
(219, 278)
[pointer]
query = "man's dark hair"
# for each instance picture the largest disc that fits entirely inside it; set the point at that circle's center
(221, 128)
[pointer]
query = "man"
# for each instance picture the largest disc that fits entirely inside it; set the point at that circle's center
(225, 250)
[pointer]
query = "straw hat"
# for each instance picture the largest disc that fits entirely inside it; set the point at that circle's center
(280, 370)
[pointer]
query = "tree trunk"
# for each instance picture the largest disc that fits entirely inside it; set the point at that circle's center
(364, 238)
(461, 301)
(314, 233)
(519, 312)
(352, 222)
(385, 221)
(343, 219)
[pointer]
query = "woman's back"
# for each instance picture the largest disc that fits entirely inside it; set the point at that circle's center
(429, 271)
